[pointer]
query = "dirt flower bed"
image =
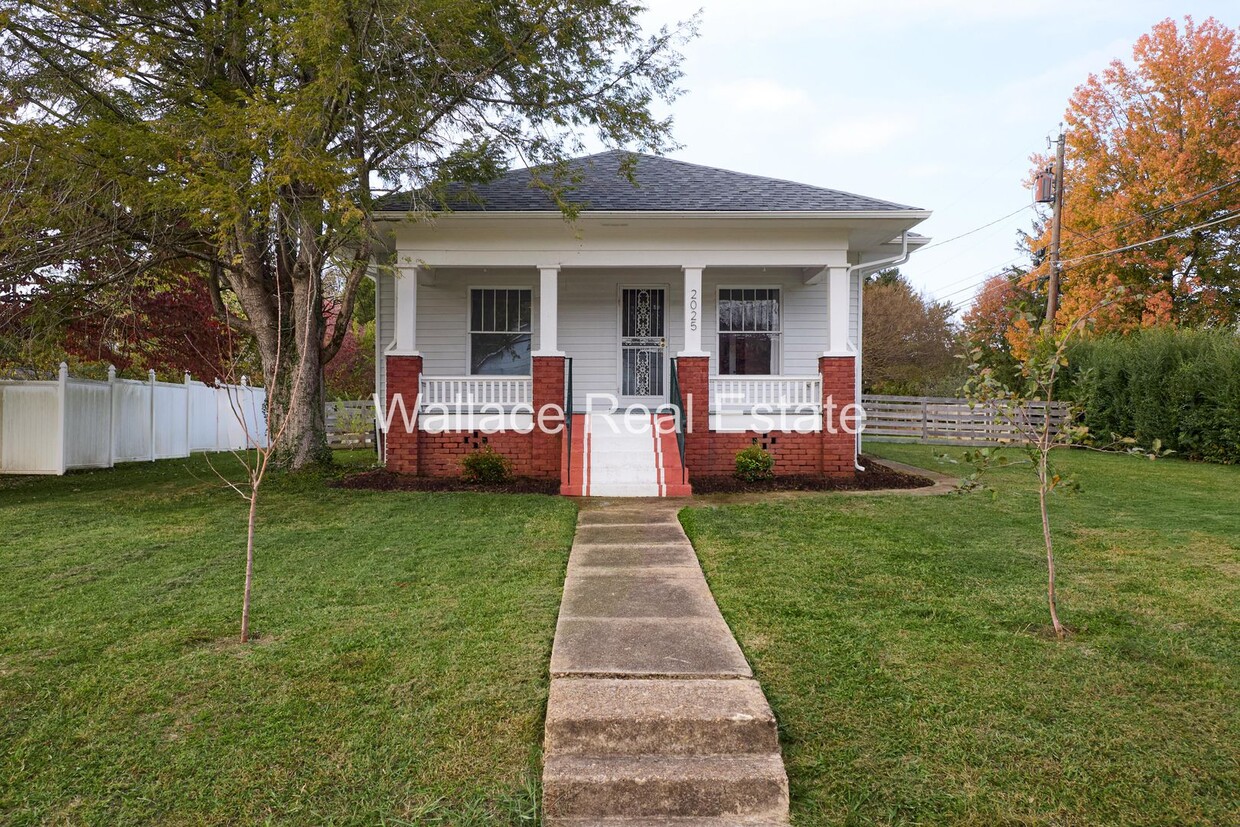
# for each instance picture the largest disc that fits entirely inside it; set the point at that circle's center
(383, 480)
(874, 477)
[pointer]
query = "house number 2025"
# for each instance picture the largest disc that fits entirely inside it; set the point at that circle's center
(693, 310)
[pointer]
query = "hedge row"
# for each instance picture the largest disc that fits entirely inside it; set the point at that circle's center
(1175, 385)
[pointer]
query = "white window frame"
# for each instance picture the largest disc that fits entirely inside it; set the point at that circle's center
(469, 324)
(779, 367)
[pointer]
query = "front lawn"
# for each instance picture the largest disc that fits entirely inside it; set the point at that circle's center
(901, 642)
(399, 676)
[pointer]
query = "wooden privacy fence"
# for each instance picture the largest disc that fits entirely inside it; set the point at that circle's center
(54, 426)
(350, 423)
(945, 420)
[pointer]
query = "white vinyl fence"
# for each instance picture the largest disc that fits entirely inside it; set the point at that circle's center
(52, 427)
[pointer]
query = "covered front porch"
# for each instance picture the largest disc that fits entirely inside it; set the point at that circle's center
(529, 361)
(479, 331)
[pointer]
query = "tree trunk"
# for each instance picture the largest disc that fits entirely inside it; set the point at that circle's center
(1051, 599)
(288, 328)
(298, 426)
(295, 379)
(249, 564)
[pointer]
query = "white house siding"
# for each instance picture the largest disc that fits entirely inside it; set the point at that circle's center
(442, 325)
(590, 322)
(589, 317)
(854, 307)
(804, 314)
(385, 327)
(443, 315)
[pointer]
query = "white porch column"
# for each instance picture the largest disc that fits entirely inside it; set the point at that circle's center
(693, 312)
(405, 342)
(837, 312)
(549, 311)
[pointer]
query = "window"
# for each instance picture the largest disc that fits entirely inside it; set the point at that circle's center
(499, 331)
(749, 331)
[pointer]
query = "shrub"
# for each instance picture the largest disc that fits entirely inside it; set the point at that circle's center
(486, 466)
(1178, 386)
(754, 464)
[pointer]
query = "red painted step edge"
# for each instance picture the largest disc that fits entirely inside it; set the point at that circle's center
(573, 485)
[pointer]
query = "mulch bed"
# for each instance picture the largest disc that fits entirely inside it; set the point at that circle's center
(874, 477)
(382, 480)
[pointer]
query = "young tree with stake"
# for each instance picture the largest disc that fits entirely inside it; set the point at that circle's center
(1037, 436)
(256, 460)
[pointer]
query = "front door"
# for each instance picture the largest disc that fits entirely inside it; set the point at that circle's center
(643, 342)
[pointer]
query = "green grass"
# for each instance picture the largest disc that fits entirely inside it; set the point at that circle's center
(399, 676)
(901, 641)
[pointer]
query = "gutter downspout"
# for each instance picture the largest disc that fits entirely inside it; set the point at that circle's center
(860, 270)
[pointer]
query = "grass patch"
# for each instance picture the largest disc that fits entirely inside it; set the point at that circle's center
(899, 641)
(399, 675)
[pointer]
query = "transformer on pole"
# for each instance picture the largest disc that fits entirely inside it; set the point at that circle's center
(1048, 189)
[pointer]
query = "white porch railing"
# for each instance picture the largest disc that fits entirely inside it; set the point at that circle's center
(462, 393)
(769, 393)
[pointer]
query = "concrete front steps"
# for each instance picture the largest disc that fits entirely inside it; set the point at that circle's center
(623, 455)
(627, 749)
(653, 717)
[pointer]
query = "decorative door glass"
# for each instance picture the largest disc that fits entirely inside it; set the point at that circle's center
(643, 340)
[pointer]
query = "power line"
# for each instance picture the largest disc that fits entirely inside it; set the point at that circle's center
(947, 263)
(990, 270)
(974, 230)
(984, 270)
(1091, 236)
(971, 279)
(973, 286)
(974, 280)
(1147, 215)
(1230, 216)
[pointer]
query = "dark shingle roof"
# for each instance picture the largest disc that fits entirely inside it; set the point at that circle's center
(662, 185)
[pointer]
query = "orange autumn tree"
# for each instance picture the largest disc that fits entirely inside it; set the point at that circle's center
(995, 325)
(1154, 148)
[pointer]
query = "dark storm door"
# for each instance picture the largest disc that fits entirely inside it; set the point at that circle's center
(643, 341)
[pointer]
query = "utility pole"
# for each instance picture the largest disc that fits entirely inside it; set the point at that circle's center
(1052, 290)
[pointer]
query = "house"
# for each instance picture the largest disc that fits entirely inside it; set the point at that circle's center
(718, 309)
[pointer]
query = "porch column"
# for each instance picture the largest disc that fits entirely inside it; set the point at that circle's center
(401, 440)
(693, 373)
(837, 312)
(403, 376)
(405, 340)
(548, 311)
(547, 445)
(838, 368)
(839, 415)
(693, 312)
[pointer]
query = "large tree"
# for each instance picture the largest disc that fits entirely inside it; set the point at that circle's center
(250, 136)
(1153, 147)
(909, 338)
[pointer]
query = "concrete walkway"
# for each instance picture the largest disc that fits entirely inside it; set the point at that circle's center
(654, 716)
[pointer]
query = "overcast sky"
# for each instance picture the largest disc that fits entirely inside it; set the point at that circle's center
(931, 103)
